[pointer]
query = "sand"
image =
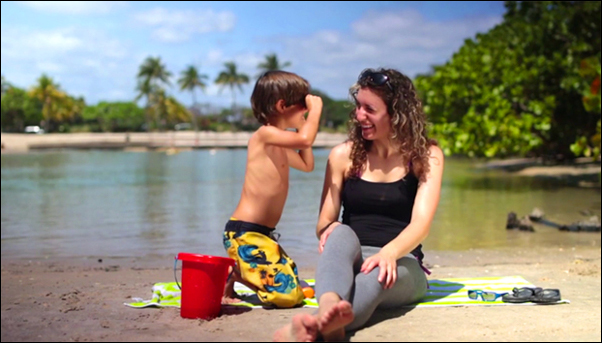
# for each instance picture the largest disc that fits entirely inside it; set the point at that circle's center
(82, 300)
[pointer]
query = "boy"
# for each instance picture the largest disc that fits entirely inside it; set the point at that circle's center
(279, 101)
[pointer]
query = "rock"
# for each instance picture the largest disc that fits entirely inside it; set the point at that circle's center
(536, 215)
(590, 225)
(512, 221)
(525, 224)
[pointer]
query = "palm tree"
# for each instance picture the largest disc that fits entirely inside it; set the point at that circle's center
(151, 75)
(153, 70)
(5, 85)
(53, 100)
(231, 78)
(145, 89)
(189, 80)
(271, 63)
(176, 112)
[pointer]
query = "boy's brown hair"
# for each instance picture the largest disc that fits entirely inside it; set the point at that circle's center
(273, 86)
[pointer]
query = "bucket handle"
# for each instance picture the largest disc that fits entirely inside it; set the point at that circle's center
(175, 264)
(174, 272)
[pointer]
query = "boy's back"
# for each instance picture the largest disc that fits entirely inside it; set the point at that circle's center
(279, 102)
(266, 183)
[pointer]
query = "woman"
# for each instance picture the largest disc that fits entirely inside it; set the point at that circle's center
(387, 177)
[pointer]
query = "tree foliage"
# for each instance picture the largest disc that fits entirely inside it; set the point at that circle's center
(518, 89)
(152, 76)
(335, 113)
(57, 106)
(19, 110)
(114, 116)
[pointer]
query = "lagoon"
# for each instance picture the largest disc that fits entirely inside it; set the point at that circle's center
(116, 204)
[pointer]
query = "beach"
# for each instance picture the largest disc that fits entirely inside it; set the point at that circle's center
(74, 290)
(83, 300)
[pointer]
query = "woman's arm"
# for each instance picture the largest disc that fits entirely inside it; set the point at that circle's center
(425, 206)
(330, 204)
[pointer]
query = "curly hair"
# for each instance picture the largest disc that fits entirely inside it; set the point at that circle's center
(275, 85)
(408, 123)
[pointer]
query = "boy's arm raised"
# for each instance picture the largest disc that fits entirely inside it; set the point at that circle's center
(305, 137)
(302, 160)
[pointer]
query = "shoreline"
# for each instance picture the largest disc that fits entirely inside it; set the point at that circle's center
(142, 141)
(82, 300)
(583, 172)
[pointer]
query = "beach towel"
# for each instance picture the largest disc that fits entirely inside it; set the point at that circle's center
(441, 293)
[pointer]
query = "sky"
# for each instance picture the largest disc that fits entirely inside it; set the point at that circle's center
(95, 48)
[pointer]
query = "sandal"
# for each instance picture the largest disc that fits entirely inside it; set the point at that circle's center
(546, 296)
(521, 295)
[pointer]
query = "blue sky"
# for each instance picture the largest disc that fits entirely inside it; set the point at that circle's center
(93, 49)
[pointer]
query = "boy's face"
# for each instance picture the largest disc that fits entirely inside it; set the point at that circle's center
(295, 115)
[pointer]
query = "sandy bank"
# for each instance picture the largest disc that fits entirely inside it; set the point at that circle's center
(175, 139)
(82, 300)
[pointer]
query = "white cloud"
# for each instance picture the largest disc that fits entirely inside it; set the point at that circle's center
(330, 60)
(404, 40)
(100, 67)
(215, 56)
(84, 62)
(74, 7)
(175, 26)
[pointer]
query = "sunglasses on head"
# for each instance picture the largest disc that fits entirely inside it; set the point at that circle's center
(485, 295)
(375, 78)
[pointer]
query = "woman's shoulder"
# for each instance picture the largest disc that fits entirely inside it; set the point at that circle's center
(436, 160)
(436, 153)
(341, 151)
(340, 157)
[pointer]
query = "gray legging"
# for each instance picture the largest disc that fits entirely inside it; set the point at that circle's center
(339, 272)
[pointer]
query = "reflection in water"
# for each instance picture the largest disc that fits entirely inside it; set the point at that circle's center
(97, 203)
(154, 197)
(474, 205)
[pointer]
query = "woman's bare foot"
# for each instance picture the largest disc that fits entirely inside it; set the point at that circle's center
(334, 314)
(304, 328)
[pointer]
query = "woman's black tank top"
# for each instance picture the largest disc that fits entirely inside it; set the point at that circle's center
(379, 211)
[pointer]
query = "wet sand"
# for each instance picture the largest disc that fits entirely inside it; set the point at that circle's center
(82, 300)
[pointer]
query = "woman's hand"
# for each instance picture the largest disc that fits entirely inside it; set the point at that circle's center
(388, 267)
(325, 234)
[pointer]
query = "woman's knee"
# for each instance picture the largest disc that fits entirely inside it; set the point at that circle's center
(344, 234)
(369, 283)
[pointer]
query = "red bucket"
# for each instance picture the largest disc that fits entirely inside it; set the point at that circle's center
(203, 282)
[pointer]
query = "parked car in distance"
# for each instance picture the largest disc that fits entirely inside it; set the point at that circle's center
(183, 127)
(34, 129)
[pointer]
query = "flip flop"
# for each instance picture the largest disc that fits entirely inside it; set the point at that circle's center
(546, 296)
(521, 295)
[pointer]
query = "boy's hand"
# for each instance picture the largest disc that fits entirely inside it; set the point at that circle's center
(313, 102)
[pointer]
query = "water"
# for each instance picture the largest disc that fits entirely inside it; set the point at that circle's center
(123, 204)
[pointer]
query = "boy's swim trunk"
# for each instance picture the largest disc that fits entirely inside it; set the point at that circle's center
(263, 263)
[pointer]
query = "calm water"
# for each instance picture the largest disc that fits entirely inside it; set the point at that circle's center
(125, 204)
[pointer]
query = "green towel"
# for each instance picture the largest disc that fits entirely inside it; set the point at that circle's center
(441, 293)
(165, 294)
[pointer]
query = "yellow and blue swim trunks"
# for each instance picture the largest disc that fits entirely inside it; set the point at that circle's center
(263, 263)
